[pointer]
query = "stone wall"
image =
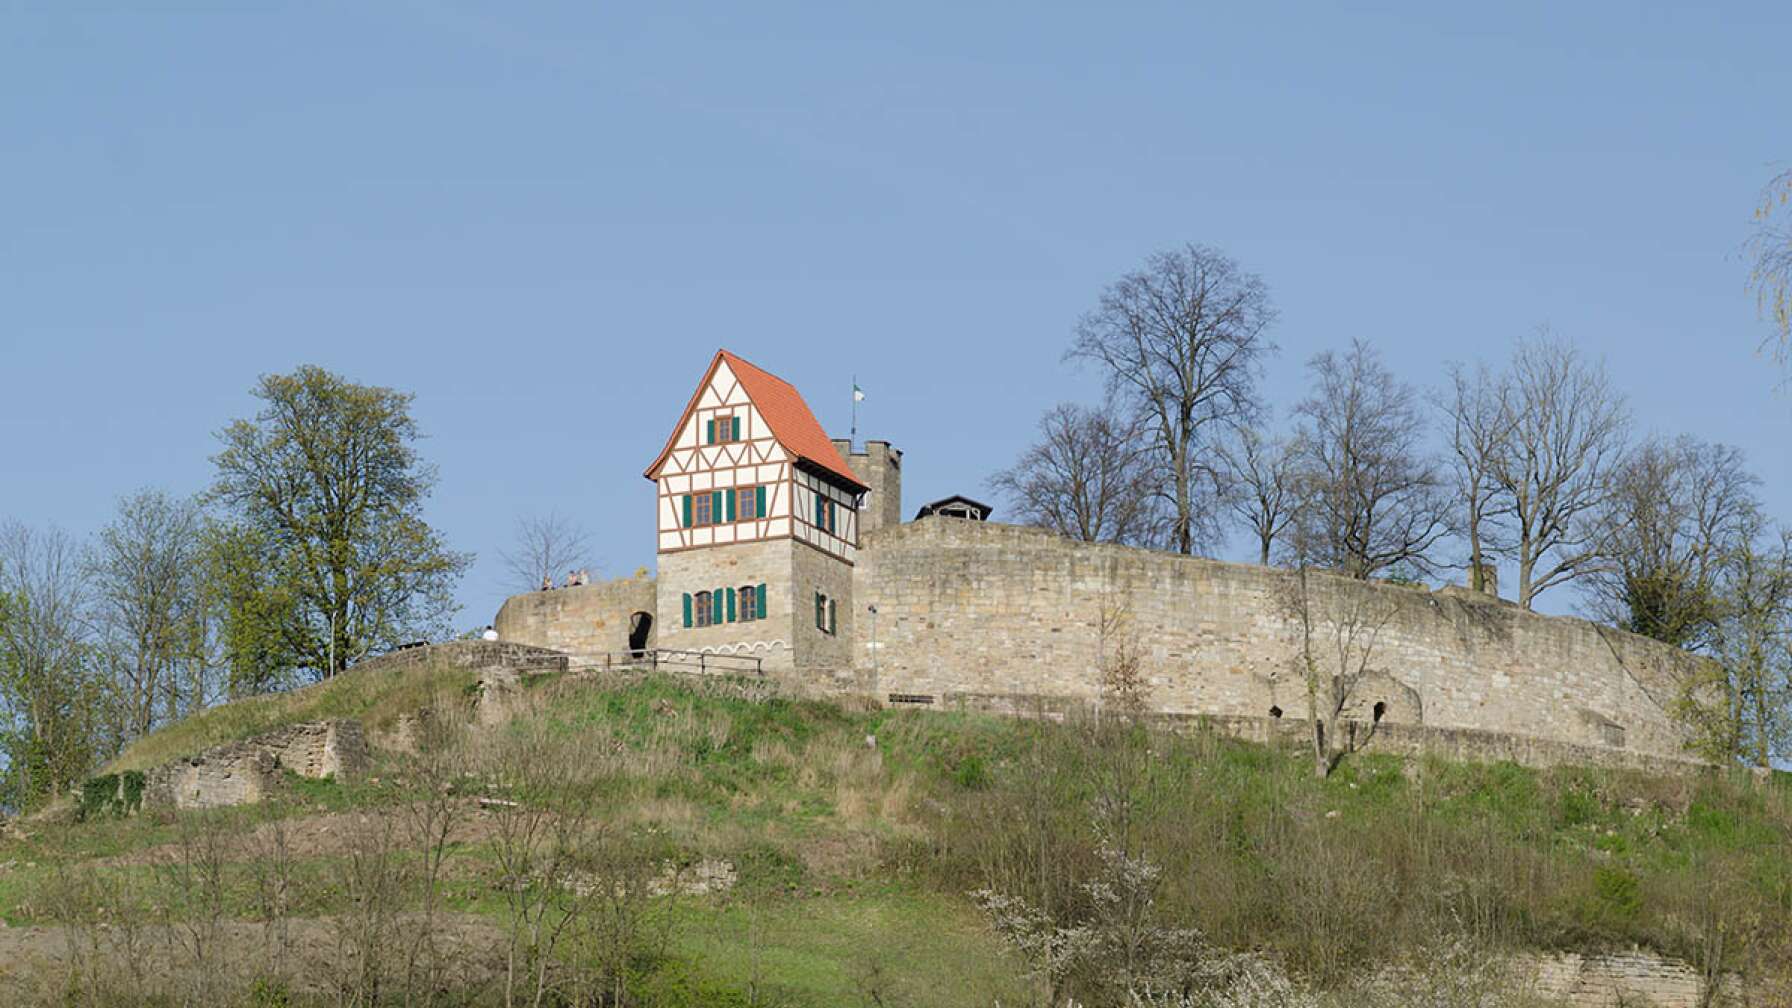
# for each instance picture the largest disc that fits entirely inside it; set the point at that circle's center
(586, 620)
(813, 571)
(1616, 980)
(765, 562)
(879, 467)
(467, 654)
(983, 610)
(244, 772)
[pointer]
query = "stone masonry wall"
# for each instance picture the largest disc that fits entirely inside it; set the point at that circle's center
(586, 620)
(979, 609)
(751, 563)
(244, 772)
(1617, 980)
(879, 467)
(815, 571)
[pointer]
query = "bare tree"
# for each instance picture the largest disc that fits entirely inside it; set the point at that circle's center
(1182, 340)
(544, 545)
(1339, 624)
(1088, 477)
(1259, 485)
(1771, 275)
(1565, 433)
(1752, 641)
(51, 702)
(1673, 511)
(1371, 496)
(143, 569)
(1478, 409)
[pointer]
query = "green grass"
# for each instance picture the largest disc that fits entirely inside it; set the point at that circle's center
(915, 947)
(376, 697)
(855, 860)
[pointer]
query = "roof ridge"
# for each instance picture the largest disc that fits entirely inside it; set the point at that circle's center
(792, 422)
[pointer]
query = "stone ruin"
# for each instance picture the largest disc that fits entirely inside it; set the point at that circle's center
(250, 770)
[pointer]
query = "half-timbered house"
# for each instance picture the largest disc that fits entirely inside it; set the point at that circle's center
(758, 522)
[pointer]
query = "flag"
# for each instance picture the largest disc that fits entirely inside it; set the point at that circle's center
(858, 394)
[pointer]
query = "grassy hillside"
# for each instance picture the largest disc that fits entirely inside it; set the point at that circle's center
(376, 697)
(856, 838)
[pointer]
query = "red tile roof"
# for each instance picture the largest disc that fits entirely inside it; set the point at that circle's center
(782, 406)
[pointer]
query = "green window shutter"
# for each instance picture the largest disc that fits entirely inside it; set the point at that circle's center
(759, 502)
(730, 605)
(833, 627)
(687, 610)
(710, 433)
(833, 517)
(735, 429)
(730, 505)
(687, 510)
(759, 596)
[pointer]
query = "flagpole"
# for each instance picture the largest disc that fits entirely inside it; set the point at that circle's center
(853, 438)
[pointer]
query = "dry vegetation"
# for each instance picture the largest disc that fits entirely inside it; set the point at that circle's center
(878, 858)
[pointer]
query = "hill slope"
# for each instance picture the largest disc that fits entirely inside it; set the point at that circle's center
(668, 841)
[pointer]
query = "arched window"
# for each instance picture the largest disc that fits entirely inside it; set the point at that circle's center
(703, 609)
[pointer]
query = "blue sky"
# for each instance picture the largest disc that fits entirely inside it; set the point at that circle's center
(543, 219)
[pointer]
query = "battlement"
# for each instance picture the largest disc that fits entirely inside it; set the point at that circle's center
(879, 467)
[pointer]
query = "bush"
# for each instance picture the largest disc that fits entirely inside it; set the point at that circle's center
(119, 794)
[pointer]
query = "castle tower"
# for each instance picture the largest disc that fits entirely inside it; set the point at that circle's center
(879, 467)
(758, 522)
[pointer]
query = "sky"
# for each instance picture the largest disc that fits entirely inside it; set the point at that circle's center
(543, 219)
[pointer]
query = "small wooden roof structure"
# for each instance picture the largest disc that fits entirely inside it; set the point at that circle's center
(956, 506)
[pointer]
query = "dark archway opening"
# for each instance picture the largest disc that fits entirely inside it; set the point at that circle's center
(1380, 711)
(639, 626)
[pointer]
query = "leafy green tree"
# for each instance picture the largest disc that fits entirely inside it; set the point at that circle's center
(328, 488)
(247, 608)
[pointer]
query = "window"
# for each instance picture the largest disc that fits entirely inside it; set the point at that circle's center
(827, 515)
(703, 609)
(711, 508)
(752, 502)
(752, 602)
(825, 614)
(721, 429)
